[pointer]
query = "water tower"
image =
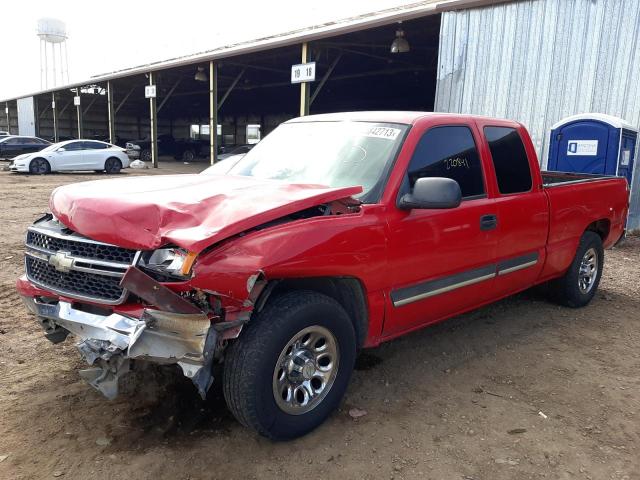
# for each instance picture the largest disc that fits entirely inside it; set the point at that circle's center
(54, 64)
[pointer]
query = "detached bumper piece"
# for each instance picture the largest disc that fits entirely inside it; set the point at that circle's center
(109, 342)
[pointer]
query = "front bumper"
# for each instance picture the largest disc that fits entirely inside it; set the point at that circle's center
(18, 168)
(133, 154)
(109, 342)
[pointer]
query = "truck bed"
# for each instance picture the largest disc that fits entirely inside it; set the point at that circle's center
(554, 179)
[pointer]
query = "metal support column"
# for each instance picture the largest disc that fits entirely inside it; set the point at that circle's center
(153, 116)
(304, 86)
(6, 111)
(54, 108)
(213, 112)
(36, 115)
(79, 113)
(111, 113)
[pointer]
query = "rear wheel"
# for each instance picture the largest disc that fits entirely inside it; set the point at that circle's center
(580, 283)
(112, 165)
(188, 156)
(290, 367)
(39, 166)
(145, 155)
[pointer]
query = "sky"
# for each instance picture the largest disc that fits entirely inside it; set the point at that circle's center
(107, 36)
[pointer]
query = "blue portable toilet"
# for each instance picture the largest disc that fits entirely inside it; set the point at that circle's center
(593, 143)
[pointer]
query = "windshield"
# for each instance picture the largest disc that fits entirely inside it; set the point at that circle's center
(53, 147)
(336, 154)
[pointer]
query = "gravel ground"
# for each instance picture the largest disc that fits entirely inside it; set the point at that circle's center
(522, 389)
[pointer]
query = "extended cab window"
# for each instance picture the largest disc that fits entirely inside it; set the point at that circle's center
(510, 159)
(448, 152)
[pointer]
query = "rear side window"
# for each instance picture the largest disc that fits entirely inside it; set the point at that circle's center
(94, 145)
(73, 146)
(448, 152)
(509, 159)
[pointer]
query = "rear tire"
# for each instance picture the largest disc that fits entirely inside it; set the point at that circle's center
(112, 165)
(280, 384)
(579, 284)
(39, 166)
(188, 156)
(145, 155)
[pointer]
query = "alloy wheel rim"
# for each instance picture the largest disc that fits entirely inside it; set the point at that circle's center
(306, 370)
(40, 166)
(588, 270)
(111, 166)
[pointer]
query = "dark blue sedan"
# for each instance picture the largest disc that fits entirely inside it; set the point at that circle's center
(14, 145)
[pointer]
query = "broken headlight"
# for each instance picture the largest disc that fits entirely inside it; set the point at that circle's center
(170, 262)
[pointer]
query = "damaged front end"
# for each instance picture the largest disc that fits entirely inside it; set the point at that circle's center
(117, 304)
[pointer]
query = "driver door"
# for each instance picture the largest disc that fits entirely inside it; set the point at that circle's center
(71, 158)
(441, 261)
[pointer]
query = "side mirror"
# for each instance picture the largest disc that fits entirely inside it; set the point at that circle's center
(432, 192)
(61, 149)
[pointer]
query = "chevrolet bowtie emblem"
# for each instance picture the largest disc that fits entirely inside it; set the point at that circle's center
(61, 261)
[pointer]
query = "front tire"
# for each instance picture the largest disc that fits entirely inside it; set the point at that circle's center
(39, 166)
(112, 165)
(291, 366)
(579, 284)
(145, 155)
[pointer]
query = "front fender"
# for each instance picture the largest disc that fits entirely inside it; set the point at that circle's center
(350, 245)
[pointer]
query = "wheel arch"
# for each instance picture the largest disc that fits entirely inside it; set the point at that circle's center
(39, 158)
(602, 227)
(349, 292)
(112, 157)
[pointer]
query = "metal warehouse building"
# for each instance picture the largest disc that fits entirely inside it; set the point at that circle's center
(535, 61)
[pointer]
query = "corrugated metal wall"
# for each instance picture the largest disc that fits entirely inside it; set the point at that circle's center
(538, 61)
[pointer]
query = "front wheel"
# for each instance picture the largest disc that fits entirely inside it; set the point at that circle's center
(145, 155)
(39, 166)
(112, 165)
(291, 366)
(579, 284)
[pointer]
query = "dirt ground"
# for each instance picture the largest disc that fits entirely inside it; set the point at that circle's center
(522, 389)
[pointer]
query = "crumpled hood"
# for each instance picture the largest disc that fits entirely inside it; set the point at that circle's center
(191, 211)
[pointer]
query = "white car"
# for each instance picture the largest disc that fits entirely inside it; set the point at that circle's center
(73, 155)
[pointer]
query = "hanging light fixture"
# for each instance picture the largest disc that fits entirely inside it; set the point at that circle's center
(201, 76)
(400, 43)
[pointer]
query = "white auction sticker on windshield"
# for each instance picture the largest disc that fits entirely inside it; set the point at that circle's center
(384, 132)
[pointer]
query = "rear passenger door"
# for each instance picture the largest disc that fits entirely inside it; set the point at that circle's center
(523, 213)
(94, 155)
(441, 262)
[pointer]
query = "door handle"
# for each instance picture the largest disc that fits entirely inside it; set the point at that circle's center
(488, 222)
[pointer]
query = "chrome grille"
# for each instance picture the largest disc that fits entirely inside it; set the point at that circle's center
(74, 283)
(94, 250)
(75, 266)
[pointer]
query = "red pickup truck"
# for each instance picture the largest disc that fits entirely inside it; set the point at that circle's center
(335, 233)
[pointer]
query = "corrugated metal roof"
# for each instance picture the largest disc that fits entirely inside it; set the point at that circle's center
(538, 61)
(313, 32)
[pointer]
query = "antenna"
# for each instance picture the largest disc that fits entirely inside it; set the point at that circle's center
(52, 34)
